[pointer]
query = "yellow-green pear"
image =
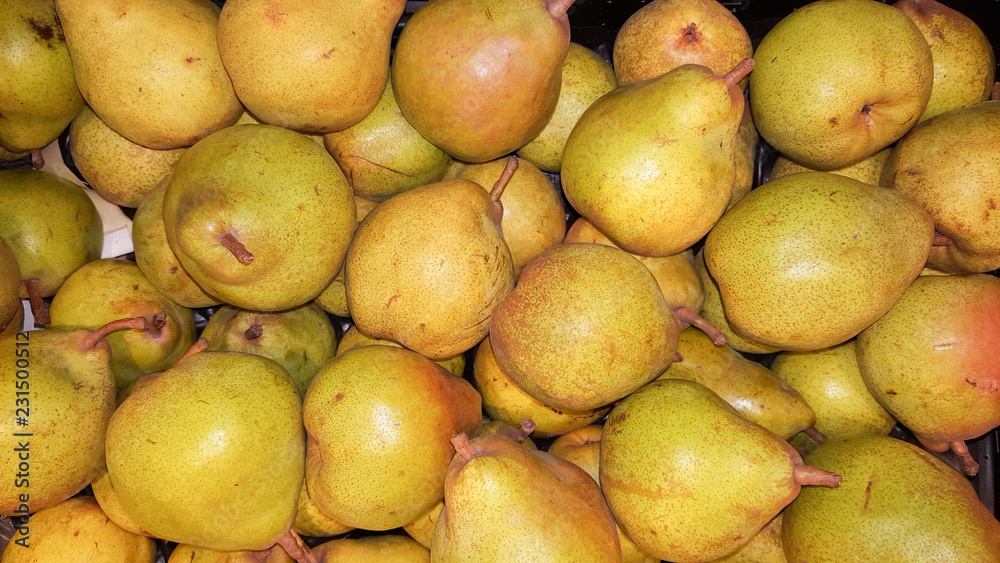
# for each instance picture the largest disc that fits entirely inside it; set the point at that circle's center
(383, 154)
(838, 81)
(747, 140)
(187, 553)
(310, 521)
(10, 286)
(76, 530)
(519, 435)
(765, 547)
(151, 70)
(585, 78)
(868, 170)
(354, 338)
(105, 495)
(311, 66)
(11, 156)
(333, 299)
(422, 527)
(38, 92)
(372, 549)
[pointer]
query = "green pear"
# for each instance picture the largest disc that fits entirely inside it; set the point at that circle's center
(52, 227)
(187, 553)
(932, 360)
(119, 170)
(38, 95)
(501, 503)
(379, 421)
(838, 81)
(300, 339)
(111, 504)
(666, 34)
(259, 216)
(896, 503)
(652, 164)
(309, 66)
(480, 79)
(422, 527)
(383, 154)
(151, 70)
(868, 170)
(10, 286)
(77, 530)
(964, 63)
(765, 547)
(225, 431)
(756, 393)
(747, 140)
(674, 469)
(948, 166)
(107, 289)
(333, 299)
(354, 338)
(809, 260)
(372, 549)
(585, 78)
(310, 521)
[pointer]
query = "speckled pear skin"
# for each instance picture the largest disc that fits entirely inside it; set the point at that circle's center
(372, 549)
(72, 391)
(379, 421)
(896, 503)
(810, 260)
(837, 81)
(747, 140)
(230, 427)
(754, 391)
(868, 170)
(187, 553)
(111, 505)
(39, 96)
(765, 547)
(354, 338)
(500, 506)
(480, 79)
(585, 326)
(687, 478)
(948, 164)
(585, 78)
(666, 34)
(422, 528)
(652, 164)
(964, 62)
(310, 521)
(933, 360)
(10, 285)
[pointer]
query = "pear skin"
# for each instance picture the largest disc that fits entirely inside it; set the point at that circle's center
(747, 140)
(333, 299)
(422, 528)
(310, 521)
(354, 338)
(372, 549)
(105, 495)
(10, 286)
(714, 312)
(765, 547)
(868, 170)
(186, 553)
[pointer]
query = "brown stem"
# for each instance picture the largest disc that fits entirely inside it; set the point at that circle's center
(463, 446)
(37, 160)
(236, 247)
(741, 69)
(198, 346)
(969, 465)
(505, 176)
(558, 8)
(678, 357)
(809, 475)
(527, 427)
(687, 315)
(940, 240)
(39, 310)
(815, 434)
(159, 321)
(296, 548)
(254, 332)
(134, 323)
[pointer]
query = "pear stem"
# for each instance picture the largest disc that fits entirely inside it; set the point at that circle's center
(134, 323)
(463, 446)
(33, 287)
(505, 176)
(296, 548)
(678, 357)
(198, 346)
(940, 240)
(741, 69)
(687, 315)
(527, 427)
(37, 159)
(815, 434)
(254, 332)
(969, 465)
(159, 321)
(809, 475)
(558, 8)
(236, 247)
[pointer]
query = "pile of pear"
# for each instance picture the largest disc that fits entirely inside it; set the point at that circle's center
(401, 294)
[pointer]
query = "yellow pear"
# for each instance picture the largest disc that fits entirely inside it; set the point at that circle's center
(186, 553)
(105, 495)
(422, 527)
(746, 155)
(372, 549)
(310, 521)
(333, 299)
(10, 286)
(354, 338)
(765, 547)
(868, 170)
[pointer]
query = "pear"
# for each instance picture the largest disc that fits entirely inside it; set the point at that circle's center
(422, 528)
(896, 503)
(354, 338)
(383, 154)
(480, 79)
(663, 451)
(809, 260)
(499, 505)
(379, 420)
(666, 34)
(151, 70)
(309, 66)
(585, 78)
(64, 395)
(52, 227)
(333, 299)
(747, 140)
(38, 96)
(868, 170)
(964, 63)
(838, 81)
(186, 553)
(16, 323)
(120, 171)
(225, 431)
(310, 521)
(505, 402)
(534, 217)
(765, 547)
(107, 289)
(519, 435)
(110, 502)
(259, 216)
(372, 549)
(754, 391)
(675, 274)
(933, 360)
(10, 286)
(77, 530)
(948, 165)
(427, 267)
(300, 339)
(652, 164)
(13, 156)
